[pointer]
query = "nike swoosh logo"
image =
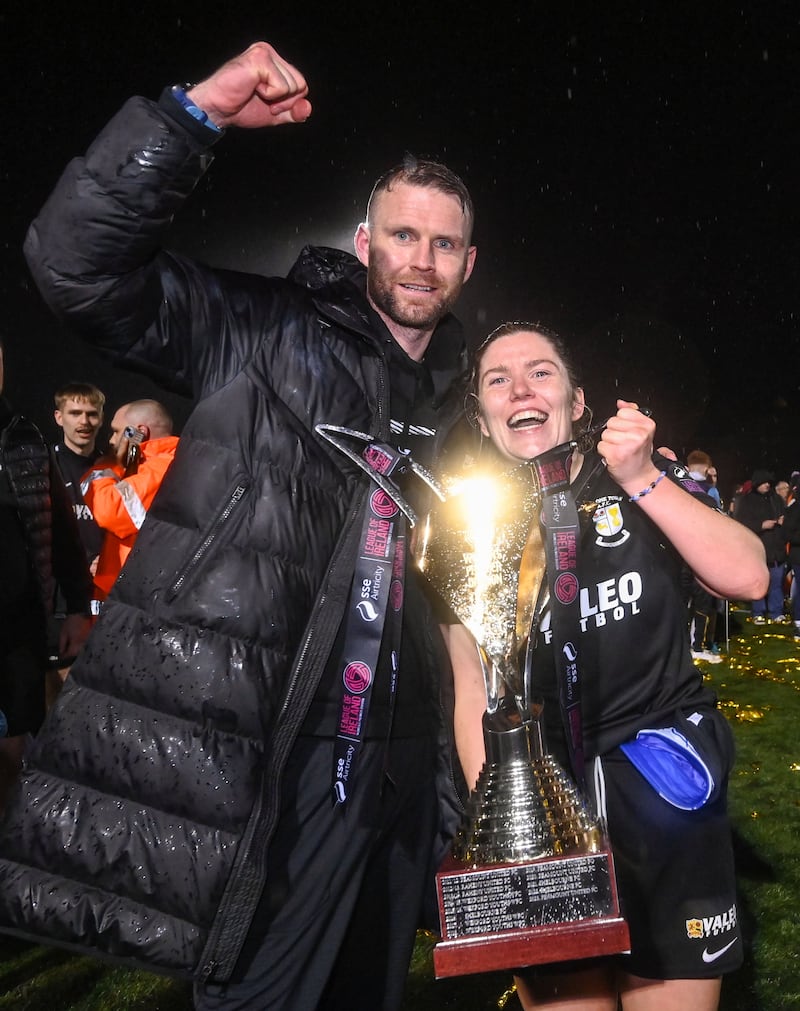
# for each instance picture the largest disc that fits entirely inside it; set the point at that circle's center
(712, 956)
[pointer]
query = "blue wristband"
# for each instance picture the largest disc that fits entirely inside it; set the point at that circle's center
(648, 489)
(179, 94)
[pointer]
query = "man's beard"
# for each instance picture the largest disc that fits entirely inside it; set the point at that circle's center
(386, 299)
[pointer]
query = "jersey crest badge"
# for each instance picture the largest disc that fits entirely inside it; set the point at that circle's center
(609, 522)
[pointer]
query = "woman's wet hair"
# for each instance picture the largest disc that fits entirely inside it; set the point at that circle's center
(472, 404)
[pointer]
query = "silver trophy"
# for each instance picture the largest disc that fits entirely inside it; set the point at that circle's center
(530, 877)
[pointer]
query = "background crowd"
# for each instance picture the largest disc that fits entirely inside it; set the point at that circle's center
(69, 514)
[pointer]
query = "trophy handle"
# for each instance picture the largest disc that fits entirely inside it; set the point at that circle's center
(335, 434)
(490, 679)
(492, 683)
(536, 730)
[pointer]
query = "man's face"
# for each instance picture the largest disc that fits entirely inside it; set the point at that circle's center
(81, 421)
(117, 441)
(416, 253)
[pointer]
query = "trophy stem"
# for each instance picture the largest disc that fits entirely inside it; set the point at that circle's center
(505, 819)
(524, 806)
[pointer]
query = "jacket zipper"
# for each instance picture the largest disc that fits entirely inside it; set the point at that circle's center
(229, 930)
(206, 544)
(237, 907)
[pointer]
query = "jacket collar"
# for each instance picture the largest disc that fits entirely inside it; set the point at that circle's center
(337, 282)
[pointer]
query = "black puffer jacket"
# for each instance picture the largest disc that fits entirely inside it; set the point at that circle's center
(141, 827)
(753, 509)
(791, 531)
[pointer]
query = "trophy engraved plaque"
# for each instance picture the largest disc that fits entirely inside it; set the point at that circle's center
(530, 877)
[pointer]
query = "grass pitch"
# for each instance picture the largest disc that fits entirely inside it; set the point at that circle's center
(759, 690)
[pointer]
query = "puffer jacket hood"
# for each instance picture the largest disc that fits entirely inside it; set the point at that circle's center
(333, 272)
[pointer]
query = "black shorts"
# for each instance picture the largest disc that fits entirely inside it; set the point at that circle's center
(675, 878)
(22, 689)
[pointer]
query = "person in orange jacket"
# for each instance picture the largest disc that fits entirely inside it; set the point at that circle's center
(121, 487)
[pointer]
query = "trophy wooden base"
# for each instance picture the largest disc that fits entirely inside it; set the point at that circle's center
(511, 915)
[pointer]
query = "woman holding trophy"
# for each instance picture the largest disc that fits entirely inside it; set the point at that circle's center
(639, 729)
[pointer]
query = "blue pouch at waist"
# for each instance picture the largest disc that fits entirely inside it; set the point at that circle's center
(672, 766)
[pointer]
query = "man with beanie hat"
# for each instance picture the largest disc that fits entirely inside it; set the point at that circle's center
(762, 511)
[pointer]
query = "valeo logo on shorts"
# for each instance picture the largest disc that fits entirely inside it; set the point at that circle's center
(711, 926)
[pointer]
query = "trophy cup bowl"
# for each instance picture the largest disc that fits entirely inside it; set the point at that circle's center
(530, 876)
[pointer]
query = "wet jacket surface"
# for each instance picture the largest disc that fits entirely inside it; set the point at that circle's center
(120, 503)
(141, 826)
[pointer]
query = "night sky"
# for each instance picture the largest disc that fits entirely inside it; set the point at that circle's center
(634, 167)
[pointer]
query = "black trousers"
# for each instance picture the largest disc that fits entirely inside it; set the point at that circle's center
(22, 687)
(336, 925)
(703, 618)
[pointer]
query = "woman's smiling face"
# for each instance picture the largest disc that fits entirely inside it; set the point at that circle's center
(527, 404)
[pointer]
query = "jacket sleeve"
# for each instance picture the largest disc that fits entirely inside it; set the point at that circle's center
(120, 504)
(94, 252)
(746, 515)
(791, 524)
(69, 558)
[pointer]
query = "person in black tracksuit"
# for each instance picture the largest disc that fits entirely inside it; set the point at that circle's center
(79, 414)
(40, 552)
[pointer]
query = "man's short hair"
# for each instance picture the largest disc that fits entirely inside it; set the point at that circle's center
(79, 391)
(150, 413)
(697, 458)
(422, 172)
